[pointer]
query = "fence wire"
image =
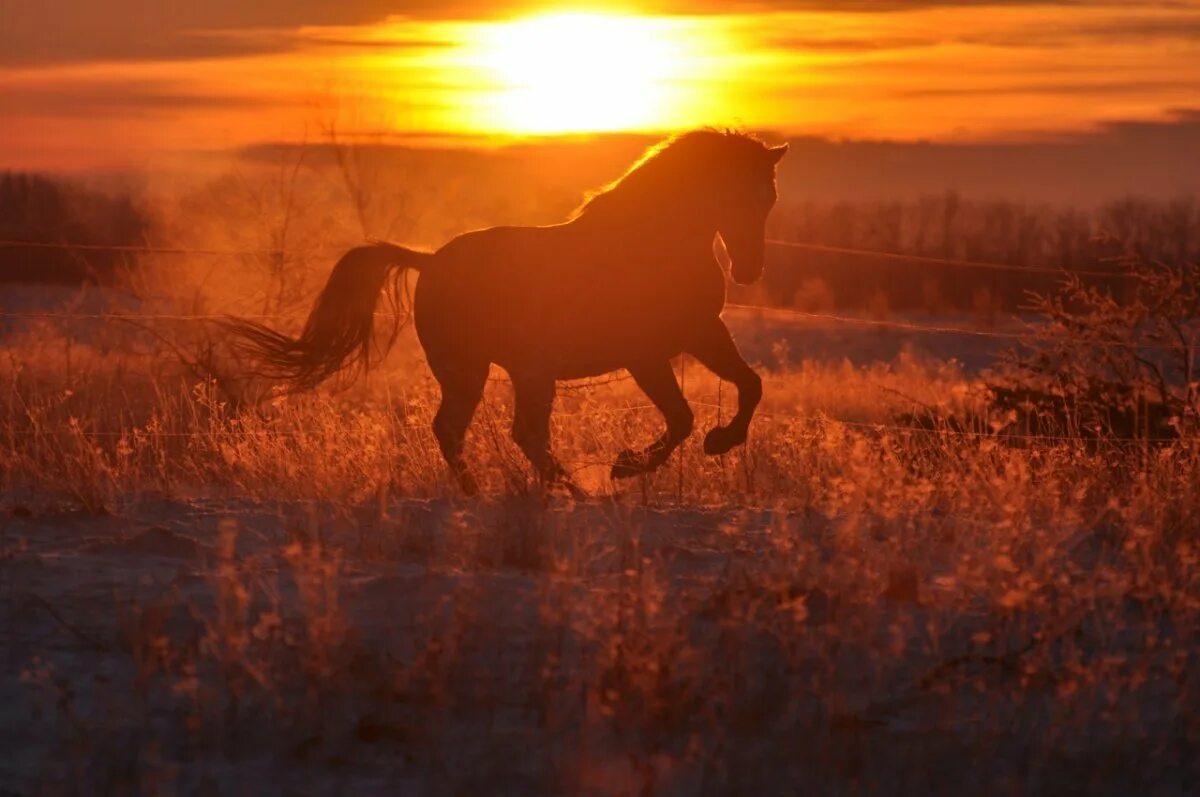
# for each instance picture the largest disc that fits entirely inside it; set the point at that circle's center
(877, 254)
(908, 326)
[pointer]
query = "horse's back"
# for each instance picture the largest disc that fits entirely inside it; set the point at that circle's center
(563, 298)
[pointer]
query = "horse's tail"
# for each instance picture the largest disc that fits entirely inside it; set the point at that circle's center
(340, 329)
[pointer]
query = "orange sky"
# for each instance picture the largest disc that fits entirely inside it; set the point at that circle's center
(131, 82)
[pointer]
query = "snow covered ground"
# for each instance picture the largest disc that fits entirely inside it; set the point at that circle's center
(524, 645)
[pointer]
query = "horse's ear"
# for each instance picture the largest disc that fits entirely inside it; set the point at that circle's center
(777, 153)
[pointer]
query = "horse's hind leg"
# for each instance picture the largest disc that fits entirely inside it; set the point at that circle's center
(534, 399)
(657, 381)
(462, 389)
(717, 352)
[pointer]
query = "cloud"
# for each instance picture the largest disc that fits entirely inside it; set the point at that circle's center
(875, 6)
(114, 99)
(1108, 87)
(390, 43)
(1181, 26)
(844, 44)
(40, 32)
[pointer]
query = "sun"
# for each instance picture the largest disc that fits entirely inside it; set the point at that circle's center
(579, 71)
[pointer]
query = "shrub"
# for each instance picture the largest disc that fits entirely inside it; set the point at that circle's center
(1109, 364)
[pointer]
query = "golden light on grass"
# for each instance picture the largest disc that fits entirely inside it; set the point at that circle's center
(584, 72)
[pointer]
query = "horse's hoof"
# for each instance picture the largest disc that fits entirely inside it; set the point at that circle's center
(721, 439)
(628, 464)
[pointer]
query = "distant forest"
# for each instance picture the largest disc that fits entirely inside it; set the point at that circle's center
(51, 210)
(47, 210)
(950, 227)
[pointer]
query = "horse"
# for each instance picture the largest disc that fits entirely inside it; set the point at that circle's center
(629, 281)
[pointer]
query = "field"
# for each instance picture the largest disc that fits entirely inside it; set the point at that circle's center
(207, 594)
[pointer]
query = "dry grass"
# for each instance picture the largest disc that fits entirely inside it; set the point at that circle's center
(289, 596)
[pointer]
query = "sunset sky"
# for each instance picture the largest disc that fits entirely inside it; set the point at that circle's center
(125, 82)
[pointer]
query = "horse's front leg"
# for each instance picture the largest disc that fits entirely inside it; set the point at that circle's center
(717, 352)
(657, 381)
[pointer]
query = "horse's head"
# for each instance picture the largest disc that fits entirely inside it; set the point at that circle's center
(701, 179)
(743, 208)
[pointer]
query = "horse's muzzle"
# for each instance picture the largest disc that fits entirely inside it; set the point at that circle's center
(746, 249)
(746, 261)
(745, 272)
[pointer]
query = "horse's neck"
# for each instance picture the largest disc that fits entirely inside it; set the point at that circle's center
(679, 223)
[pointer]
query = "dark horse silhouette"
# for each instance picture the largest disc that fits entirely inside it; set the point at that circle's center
(630, 281)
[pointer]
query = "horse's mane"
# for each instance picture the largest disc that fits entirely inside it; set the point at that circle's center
(674, 164)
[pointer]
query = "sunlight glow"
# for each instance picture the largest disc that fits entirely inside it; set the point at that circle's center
(965, 72)
(576, 71)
